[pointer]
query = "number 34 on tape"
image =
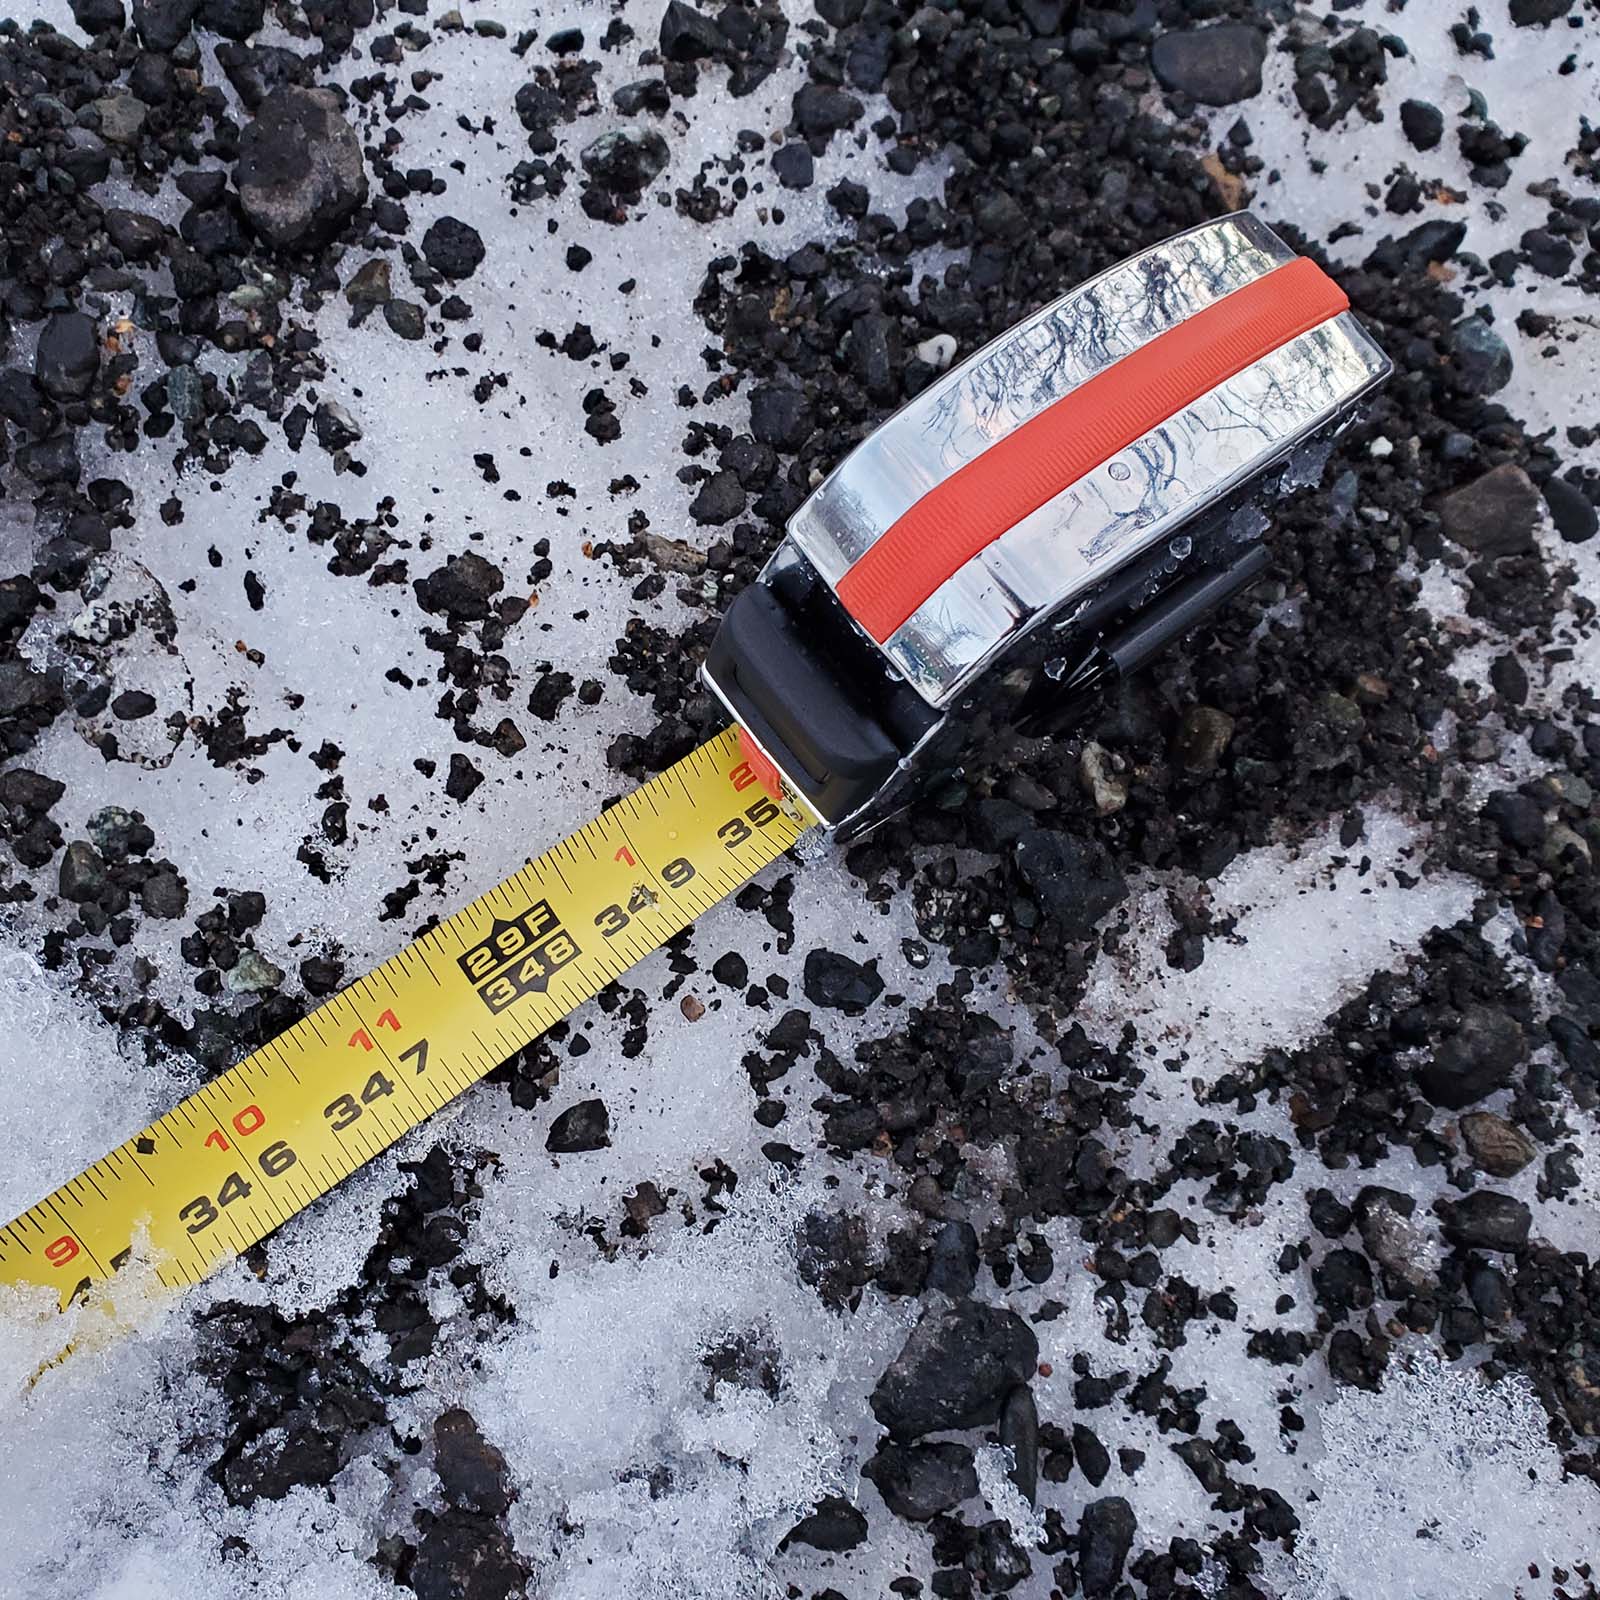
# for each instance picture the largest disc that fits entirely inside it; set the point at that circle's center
(239, 1157)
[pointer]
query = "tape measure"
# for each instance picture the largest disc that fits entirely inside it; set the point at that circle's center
(1031, 527)
(262, 1141)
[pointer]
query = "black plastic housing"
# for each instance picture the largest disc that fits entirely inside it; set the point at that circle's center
(815, 693)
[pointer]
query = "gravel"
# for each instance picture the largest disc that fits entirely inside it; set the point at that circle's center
(1025, 1199)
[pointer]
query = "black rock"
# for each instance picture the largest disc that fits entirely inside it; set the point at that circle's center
(834, 1525)
(1582, 990)
(953, 1263)
(137, 236)
(1494, 515)
(1019, 1432)
(95, 16)
(268, 1467)
(163, 893)
(153, 79)
(24, 790)
(84, 157)
(463, 779)
(472, 1472)
(321, 975)
(820, 110)
(68, 355)
(49, 461)
(132, 704)
(1548, 253)
(461, 589)
(721, 499)
(22, 402)
(163, 24)
(453, 248)
(1002, 1562)
(689, 35)
(1571, 510)
(1094, 1460)
(732, 970)
(626, 160)
(1508, 679)
(780, 416)
(82, 876)
(1530, 13)
(1001, 216)
(233, 19)
(1200, 1457)
(1519, 819)
(1481, 1056)
(1074, 881)
(838, 983)
(1428, 242)
(646, 94)
(849, 199)
(25, 693)
(1105, 1535)
(1343, 1281)
(793, 165)
(467, 1557)
(955, 1370)
(256, 70)
(245, 910)
(300, 171)
(919, 1481)
(1218, 66)
(875, 354)
(1578, 1050)
(1422, 124)
(334, 427)
(1479, 357)
(1487, 1220)
(867, 64)
(405, 318)
(585, 1126)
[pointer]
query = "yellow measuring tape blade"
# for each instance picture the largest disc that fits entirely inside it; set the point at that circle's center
(254, 1146)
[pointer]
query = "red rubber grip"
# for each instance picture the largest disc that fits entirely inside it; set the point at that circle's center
(1049, 452)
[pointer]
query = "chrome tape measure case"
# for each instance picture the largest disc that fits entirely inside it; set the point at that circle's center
(1045, 517)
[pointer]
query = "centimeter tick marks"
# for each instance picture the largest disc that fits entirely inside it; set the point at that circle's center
(240, 1156)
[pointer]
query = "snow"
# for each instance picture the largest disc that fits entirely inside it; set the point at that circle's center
(584, 1419)
(604, 1375)
(1314, 921)
(45, 1041)
(994, 1464)
(1443, 1458)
